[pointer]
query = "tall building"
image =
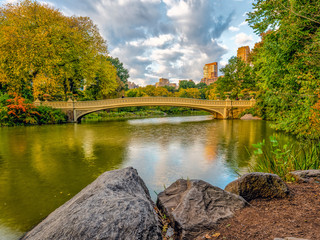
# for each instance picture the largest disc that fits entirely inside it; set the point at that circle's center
(244, 53)
(132, 85)
(210, 73)
(165, 82)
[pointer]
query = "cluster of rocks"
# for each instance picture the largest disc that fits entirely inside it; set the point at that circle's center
(117, 205)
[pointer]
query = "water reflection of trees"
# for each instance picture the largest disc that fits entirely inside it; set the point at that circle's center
(45, 166)
(233, 140)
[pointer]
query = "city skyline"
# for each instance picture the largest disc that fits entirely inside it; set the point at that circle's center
(166, 38)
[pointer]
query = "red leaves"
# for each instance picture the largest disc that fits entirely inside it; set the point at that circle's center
(20, 111)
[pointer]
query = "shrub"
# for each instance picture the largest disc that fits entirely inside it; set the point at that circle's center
(48, 115)
(16, 111)
(20, 113)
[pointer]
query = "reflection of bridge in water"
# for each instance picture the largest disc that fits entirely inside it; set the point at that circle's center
(221, 109)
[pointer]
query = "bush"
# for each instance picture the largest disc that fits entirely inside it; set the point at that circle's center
(48, 115)
(17, 111)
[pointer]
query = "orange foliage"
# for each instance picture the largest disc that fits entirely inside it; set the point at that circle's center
(20, 111)
(315, 115)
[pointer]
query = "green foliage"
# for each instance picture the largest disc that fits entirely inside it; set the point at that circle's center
(122, 72)
(170, 89)
(281, 159)
(118, 115)
(186, 84)
(286, 63)
(48, 115)
(252, 111)
(237, 76)
(4, 99)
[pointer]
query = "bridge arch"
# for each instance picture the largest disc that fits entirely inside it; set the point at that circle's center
(217, 113)
(220, 108)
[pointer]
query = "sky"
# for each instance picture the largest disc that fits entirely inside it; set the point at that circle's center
(172, 39)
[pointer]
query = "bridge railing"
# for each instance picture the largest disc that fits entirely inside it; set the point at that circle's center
(147, 100)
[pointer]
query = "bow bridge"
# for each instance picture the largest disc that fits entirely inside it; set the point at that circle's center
(221, 109)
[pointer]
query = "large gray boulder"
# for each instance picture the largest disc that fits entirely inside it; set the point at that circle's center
(195, 207)
(258, 185)
(116, 205)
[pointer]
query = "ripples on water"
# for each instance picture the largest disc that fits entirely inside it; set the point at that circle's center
(42, 167)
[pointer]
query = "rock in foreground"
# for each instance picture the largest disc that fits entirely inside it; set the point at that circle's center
(194, 206)
(116, 205)
(258, 185)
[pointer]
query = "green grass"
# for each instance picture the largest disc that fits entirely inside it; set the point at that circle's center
(281, 159)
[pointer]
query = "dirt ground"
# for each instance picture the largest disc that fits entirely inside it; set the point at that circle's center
(297, 216)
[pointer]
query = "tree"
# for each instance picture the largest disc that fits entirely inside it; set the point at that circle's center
(237, 76)
(44, 52)
(122, 73)
(287, 63)
(189, 93)
(186, 84)
(105, 81)
(136, 92)
(171, 89)
(162, 92)
(149, 90)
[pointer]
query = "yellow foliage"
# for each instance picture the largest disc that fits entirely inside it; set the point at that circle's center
(45, 85)
(48, 52)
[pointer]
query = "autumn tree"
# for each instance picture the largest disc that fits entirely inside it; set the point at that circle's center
(104, 82)
(44, 52)
(189, 93)
(136, 92)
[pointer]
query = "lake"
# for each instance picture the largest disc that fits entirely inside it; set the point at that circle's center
(41, 167)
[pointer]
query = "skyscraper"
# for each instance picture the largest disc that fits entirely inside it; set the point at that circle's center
(210, 73)
(244, 53)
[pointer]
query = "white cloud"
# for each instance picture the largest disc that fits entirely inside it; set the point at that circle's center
(162, 38)
(177, 9)
(234, 29)
(11, 1)
(223, 63)
(243, 24)
(153, 41)
(242, 39)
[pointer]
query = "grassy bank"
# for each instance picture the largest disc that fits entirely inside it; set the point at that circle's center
(281, 159)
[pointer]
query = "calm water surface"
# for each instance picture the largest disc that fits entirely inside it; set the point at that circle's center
(42, 167)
